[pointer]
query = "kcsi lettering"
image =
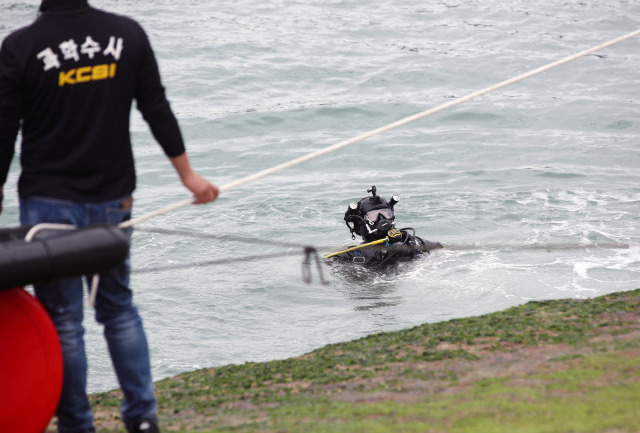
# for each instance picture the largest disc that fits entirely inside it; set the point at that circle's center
(86, 74)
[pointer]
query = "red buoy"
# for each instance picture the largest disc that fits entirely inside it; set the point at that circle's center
(30, 364)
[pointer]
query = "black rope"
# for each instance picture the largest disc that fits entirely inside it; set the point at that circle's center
(541, 246)
(200, 235)
(428, 247)
(213, 262)
(311, 253)
(308, 251)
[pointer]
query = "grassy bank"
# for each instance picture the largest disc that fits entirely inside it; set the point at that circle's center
(553, 366)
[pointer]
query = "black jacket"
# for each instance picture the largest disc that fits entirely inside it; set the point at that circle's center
(69, 80)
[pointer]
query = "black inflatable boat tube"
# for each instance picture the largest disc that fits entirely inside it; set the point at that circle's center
(60, 254)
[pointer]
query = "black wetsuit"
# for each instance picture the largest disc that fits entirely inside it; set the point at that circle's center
(385, 254)
(70, 77)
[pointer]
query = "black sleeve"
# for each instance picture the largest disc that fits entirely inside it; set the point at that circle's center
(153, 104)
(11, 106)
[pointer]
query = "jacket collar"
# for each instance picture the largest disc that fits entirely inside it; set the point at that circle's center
(62, 5)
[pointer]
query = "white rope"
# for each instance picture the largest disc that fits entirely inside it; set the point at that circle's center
(44, 226)
(386, 128)
(93, 290)
(164, 210)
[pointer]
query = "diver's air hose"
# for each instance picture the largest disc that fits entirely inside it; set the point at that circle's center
(348, 218)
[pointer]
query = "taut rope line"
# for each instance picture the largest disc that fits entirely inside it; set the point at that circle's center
(385, 128)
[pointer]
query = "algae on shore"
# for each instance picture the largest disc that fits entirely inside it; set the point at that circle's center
(550, 366)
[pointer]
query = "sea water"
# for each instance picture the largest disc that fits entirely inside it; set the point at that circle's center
(552, 160)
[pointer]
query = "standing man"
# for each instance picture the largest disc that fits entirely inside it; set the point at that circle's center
(69, 80)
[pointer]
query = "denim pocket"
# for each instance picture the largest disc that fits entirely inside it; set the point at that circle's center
(36, 210)
(120, 211)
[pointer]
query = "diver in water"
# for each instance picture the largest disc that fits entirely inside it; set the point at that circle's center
(372, 218)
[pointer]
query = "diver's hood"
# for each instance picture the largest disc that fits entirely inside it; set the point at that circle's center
(372, 217)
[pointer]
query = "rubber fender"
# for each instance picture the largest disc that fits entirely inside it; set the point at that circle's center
(14, 233)
(31, 364)
(55, 254)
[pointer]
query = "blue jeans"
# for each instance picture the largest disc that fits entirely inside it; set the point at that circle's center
(123, 330)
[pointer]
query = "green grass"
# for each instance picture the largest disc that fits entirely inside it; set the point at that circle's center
(466, 375)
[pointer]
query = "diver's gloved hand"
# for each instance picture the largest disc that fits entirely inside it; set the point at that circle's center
(394, 235)
(384, 225)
